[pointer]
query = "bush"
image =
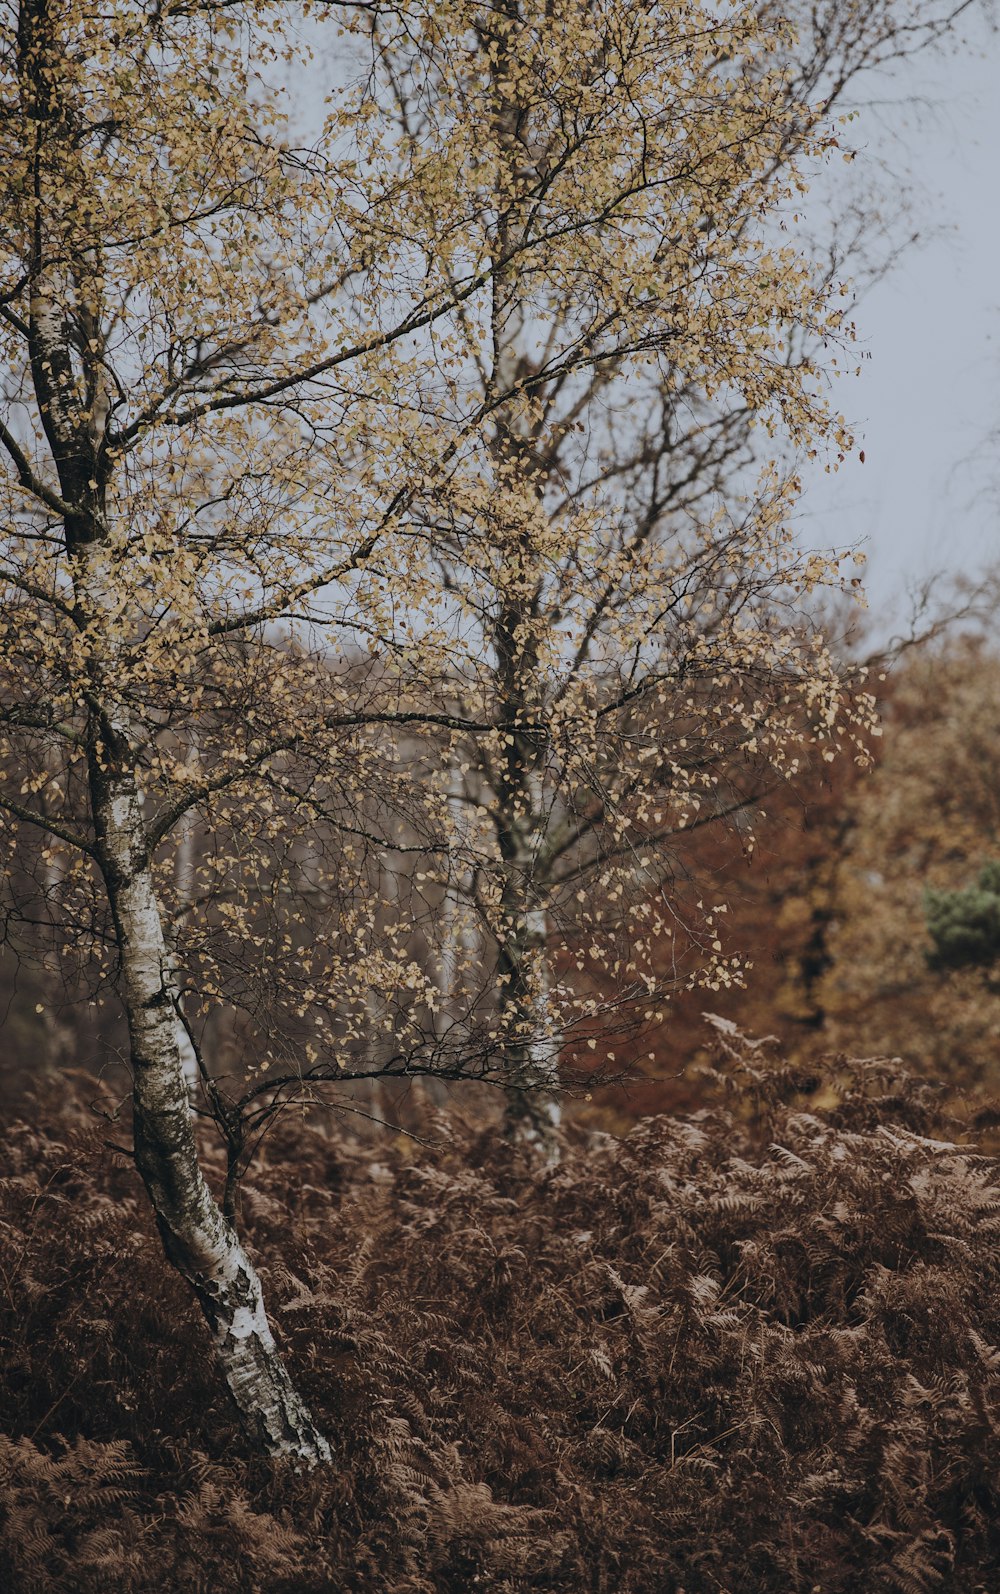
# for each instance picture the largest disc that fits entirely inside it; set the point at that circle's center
(751, 1350)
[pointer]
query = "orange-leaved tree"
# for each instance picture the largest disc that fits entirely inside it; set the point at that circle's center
(922, 827)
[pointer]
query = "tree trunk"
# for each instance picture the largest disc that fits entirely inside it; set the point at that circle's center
(65, 300)
(532, 1116)
(198, 1239)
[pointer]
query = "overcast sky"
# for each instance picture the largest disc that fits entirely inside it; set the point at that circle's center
(927, 405)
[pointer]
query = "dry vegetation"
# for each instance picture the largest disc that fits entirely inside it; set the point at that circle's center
(751, 1349)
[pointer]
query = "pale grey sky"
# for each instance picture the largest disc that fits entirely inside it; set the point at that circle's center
(927, 405)
(926, 408)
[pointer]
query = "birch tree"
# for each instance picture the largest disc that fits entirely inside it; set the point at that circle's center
(631, 603)
(173, 273)
(292, 433)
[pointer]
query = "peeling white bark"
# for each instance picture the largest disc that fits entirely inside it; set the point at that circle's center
(533, 1114)
(198, 1239)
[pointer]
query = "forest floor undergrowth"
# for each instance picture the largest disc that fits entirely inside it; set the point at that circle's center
(752, 1349)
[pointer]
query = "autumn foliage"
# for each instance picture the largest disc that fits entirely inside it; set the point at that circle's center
(403, 631)
(755, 1348)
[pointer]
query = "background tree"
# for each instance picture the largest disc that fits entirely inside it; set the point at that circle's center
(781, 901)
(921, 828)
(965, 925)
(633, 615)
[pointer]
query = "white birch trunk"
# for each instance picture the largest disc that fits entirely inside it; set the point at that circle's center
(533, 1114)
(198, 1239)
(200, 1242)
